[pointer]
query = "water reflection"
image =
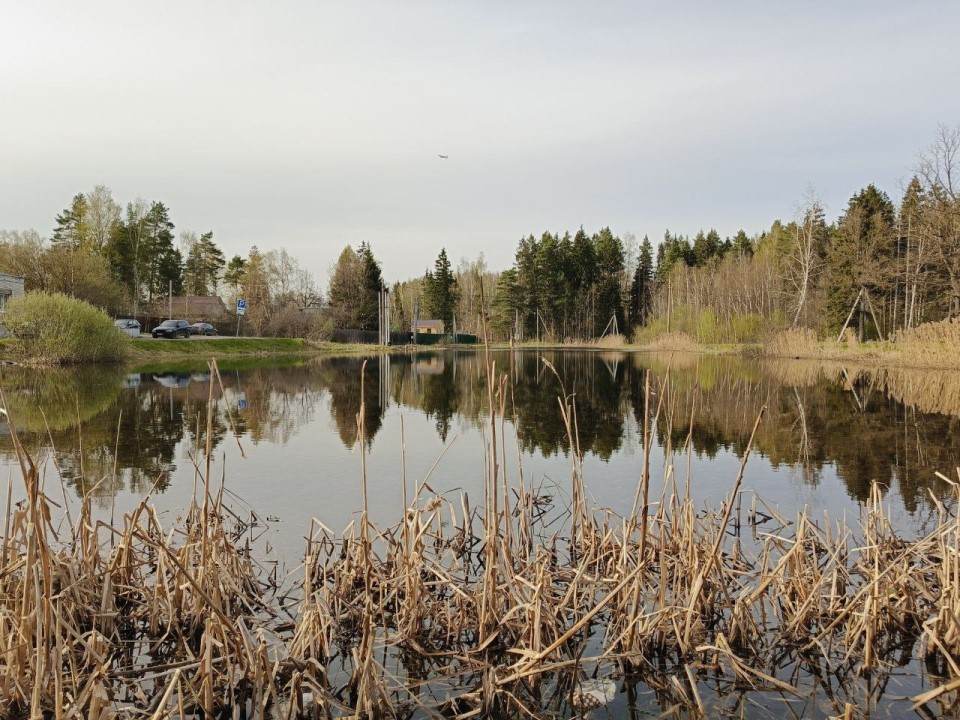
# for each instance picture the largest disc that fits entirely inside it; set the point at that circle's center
(110, 429)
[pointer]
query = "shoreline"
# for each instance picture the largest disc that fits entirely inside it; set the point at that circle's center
(879, 355)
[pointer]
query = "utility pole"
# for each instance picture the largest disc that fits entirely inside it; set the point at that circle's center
(170, 309)
(416, 313)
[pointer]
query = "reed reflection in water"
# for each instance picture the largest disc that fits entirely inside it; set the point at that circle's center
(829, 429)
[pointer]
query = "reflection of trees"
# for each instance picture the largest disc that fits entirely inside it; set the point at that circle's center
(817, 415)
(597, 388)
(893, 426)
(342, 377)
(439, 399)
(457, 387)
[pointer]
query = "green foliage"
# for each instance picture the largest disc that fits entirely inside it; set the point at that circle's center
(745, 328)
(708, 328)
(53, 328)
(233, 275)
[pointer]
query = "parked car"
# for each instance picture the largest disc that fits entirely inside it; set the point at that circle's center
(202, 328)
(127, 326)
(172, 329)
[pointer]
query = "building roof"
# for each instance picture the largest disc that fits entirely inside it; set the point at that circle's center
(430, 323)
(197, 307)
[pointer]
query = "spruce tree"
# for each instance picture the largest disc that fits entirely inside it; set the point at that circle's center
(440, 291)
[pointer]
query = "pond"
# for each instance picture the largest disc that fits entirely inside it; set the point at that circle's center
(285, 432)
(286, 441)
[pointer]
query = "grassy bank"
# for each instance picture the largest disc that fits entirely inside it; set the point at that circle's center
(216, 347)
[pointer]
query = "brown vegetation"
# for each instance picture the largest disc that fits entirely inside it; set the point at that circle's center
(468, 610)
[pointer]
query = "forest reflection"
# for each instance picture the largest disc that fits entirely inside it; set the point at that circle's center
(107, 429)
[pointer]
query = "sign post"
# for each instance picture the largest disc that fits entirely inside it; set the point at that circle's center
(241, 311)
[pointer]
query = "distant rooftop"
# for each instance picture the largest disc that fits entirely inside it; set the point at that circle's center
(197, 307)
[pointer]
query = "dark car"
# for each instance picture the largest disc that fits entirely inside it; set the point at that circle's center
(202, 329)
(172, 329)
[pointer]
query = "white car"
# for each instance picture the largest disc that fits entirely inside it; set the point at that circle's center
(130, 328)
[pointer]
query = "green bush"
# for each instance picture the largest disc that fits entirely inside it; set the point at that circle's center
(707, 328)
(54, 329)
(745, 328)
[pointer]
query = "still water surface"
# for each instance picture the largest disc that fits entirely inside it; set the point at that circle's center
(285, 432)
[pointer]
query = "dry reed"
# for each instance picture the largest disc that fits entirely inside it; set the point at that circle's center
(465, 610)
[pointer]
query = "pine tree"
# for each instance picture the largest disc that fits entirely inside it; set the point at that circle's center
(203, 265)
(161, 262)
(233, 275)
(71, 230)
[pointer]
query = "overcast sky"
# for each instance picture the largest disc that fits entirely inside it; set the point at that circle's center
(312, 125)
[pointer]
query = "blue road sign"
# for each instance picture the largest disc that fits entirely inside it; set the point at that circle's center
(241, 307)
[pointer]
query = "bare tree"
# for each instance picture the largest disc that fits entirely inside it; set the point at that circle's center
(939, 171)
(809, 236)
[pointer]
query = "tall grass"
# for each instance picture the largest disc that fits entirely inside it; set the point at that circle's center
(933, 343)
(55, 329)
(792, 342)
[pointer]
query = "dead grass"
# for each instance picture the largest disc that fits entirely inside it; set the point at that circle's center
(672, 342)
(792, 343)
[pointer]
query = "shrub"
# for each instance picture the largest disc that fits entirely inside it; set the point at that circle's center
(321, 330)
(53, 329)
(288, 322)
(707, 330)
(745, 328)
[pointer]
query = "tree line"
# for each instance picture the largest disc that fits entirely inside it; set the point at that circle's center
(127, 260)
(879, 267)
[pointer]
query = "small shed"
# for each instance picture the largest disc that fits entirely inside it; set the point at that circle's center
(11, 286)
(430, 327)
